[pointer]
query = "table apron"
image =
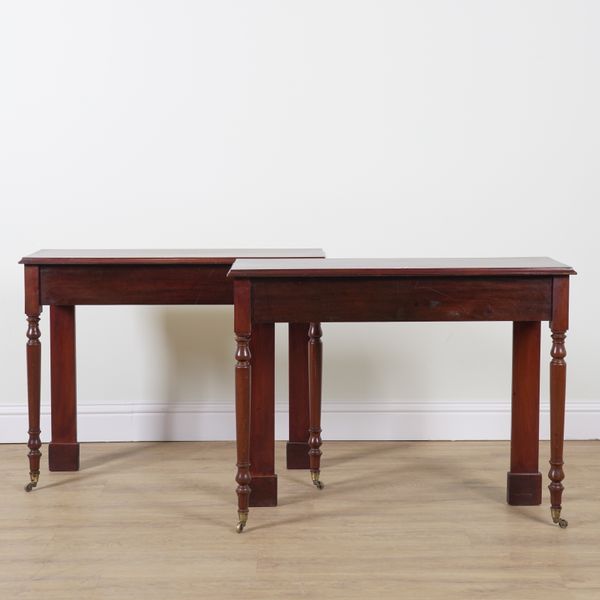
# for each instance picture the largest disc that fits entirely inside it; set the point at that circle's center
(402, 299)
(135, 284)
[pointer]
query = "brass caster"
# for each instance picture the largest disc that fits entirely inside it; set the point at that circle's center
(315, 479)
(34, 481)
(556, 518)
(243, 519)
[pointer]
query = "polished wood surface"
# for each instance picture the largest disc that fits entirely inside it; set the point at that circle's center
(524, 291)
(262, 416)
(403, 299)
(63, 451)
(388, 267)
(315, 382)
(558, 382)
(135, 284)
(243, 377)
(297, 446)
(33, 310)
(166, 256)
(64, 279)
(396, 521)
(524, 481)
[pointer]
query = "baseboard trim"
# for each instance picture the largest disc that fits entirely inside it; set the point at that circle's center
(382, 420)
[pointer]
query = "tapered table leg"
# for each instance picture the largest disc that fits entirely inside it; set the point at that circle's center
(33, 310)
(297, 446)
(63, 450)
(243, 330)
(315, 370)
(558, 382)
(262, 416)
(524, 481)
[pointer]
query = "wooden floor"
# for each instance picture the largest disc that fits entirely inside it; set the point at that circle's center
(396, 520)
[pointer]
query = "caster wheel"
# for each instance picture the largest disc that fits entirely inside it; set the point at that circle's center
(563, 523)
(240, 527)
(319, 484)
(29, 487)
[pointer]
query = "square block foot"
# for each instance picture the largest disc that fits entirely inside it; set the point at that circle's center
(297, 455)
(524, 489)
(264, 490)
(63, 457)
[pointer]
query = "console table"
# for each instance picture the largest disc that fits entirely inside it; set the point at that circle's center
(66, 278)
(525, 291)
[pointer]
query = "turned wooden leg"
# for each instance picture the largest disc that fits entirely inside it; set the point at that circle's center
(558, 380)
(33, 310)
(297, 446)
(262, 416)
(242, 398)
(315, 368)
(63, 450)
(524, 481)
(242, 416)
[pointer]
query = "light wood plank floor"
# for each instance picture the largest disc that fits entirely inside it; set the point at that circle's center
(396, 520)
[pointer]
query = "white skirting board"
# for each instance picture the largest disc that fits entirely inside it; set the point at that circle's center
(388, 420)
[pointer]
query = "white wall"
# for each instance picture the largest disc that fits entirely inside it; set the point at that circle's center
(371, 128)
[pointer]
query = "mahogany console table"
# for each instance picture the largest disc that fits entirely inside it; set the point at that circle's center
(65, 278)
(525, 291)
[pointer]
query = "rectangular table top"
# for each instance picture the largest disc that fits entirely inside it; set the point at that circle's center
(394, 267)
(169, 256)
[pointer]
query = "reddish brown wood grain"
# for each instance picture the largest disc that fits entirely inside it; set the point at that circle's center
(558, 382)
(402, 299)
(399, 267)
(243, 332)
(297, 447)
(534, 292)
(315, 378)
(33, 310)
(524, 482)
(63, 450)
(65, 278)
(135, 284)
(262, 416)
(196, 256)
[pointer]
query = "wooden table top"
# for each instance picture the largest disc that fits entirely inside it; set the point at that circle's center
(170, 256)
(393, 267)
